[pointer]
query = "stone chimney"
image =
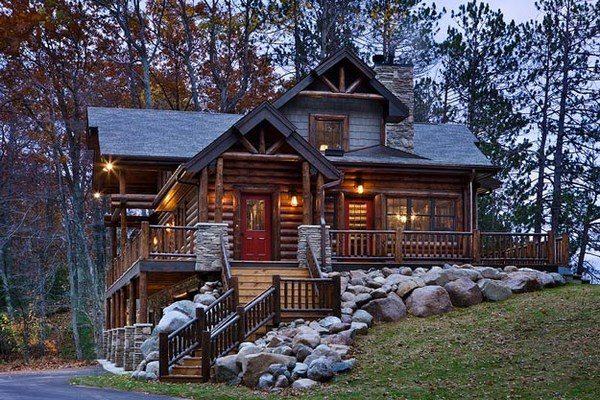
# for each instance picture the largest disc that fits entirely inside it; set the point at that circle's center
(398, 79)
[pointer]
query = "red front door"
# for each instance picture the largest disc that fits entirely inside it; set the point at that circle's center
(256, 227)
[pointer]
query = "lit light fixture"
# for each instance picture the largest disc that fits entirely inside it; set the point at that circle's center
(359, 186)
(402, 218)
(109, 166)
(155, 240)
(323, 147)
(412, 217)
(294, 196)
(168, 229)
(97, 195)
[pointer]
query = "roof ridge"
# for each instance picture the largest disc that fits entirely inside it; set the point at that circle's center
(164, 110)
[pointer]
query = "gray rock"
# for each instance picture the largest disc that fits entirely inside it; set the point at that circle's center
(186, 307)
(457, 273)
(245, 351)
(493, 290)
(360, 327)
(320, 370)
(338, 327)
(341, 349)
(490, 273)
(348, 296)
(343, 337)
(151, 376)
(309, 339)
(302, 351)
(362, 298)
(152, 356)
(318, 328)
(347, 318)
(358, 289)
(343, 366)
(142, 366)
(282, 382)
(349, 304)
(407, 286)
(379, 293)
(266, 381)
(428, 300)
(510, 268)
(171, 321)
(278, 369)
(394, 279)
(390, 309)
(255, 365)
(227, 370)
(464, 292)
(285, 350)
(406, 271)
(558, 278)
(419, 271)
(207, 299)
(362, 316)
(436, 277)
(521, 282)
(149, 345)
(304, 384)
(328, 321)
(152, 368)
(300, 370)
(323, 351)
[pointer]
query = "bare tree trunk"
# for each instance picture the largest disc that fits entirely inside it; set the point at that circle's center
(5, 283)
(187, 54)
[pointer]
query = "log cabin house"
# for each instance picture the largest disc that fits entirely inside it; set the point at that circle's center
(334, 173)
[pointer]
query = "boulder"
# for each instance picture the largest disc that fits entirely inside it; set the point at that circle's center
(309, 339)
(186, 307)
(362, 316)
(386, 271)
(407, 286)
(428, 300)
(328, 321)
(152, 368)
(171, 321)
(490, 273)
(149, 345)
(278, 369)
(319, 328)
(266, 381)
(227, 370)
(343, 337)
(152, 356)
(323, 351)
(304, 384)
(510, 268)
(320, 370)
(302, 351)
(343, 366)
(150, 376)
(558, 278)
(379, 293)
(436, 277)
(406, 271)
(457, 273)
(493, 290)
(338, 327)
(282, 382)
(521, 282)
(362, 298)
(394, 279)
(358, 289)
(389, 309)
(245, 351)
(348, 296)
(464, 292)
(360, 328)
(300, 370)
(255, 365)
(285, 350)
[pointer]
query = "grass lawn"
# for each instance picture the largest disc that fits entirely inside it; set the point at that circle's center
(542, 345)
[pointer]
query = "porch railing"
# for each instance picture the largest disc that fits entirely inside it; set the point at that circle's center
(153, 242)
(493, 248)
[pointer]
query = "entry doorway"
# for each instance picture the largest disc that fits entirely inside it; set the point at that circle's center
(256, 226)
(359, 217)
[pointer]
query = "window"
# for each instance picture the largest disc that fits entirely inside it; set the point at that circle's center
(421, 214)
(329, 132)
(255, 215)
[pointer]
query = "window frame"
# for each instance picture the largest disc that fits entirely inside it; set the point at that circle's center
(312, 124)
(432, 213)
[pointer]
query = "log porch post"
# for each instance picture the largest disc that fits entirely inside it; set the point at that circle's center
(476, 246)
(306, 197)
(131, 305)
(202, 196)
(319, 201)
(143, 292)
(107, 313)
(123, 205)
(219, 191)
(550, 248)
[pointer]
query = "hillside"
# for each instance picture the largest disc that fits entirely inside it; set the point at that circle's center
(534, 346)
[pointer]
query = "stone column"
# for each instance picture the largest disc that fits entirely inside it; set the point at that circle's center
(105, 343)
(113, 345)
(120, 347)
(128, 345)
(311, 234)
(208, 245)
(141, 332)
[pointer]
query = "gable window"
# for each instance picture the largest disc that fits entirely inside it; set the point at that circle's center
(421, 214)
(328, 131)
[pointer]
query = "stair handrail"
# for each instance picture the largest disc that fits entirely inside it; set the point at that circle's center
(314, 268)
(204, 321)
(226, 275)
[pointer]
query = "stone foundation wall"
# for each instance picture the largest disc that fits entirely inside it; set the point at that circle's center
(311, 234)
(208, 246)
(119, 347)
(140, 334)
(128, 344)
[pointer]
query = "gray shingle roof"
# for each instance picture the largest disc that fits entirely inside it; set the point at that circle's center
(162, 133)
(156, 133)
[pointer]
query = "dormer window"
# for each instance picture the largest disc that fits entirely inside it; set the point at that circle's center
(328, 132)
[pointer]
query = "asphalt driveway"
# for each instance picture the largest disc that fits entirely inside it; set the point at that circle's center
(54, 385)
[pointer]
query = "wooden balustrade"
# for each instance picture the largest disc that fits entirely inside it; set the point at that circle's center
(531, 249)
(311, 297)
(493, 248)
(224, 307)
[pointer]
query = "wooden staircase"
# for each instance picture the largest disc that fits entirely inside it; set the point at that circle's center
(188, 370)
(254, 277)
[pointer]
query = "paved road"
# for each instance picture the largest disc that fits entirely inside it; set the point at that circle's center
(54, 385)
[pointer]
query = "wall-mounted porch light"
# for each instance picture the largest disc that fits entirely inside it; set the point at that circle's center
(97, 195)
(294, 196)
(108, 166)
(323, 147)
(359, 186)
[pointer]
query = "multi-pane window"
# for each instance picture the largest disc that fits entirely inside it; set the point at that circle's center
(255, 215)
(421, 214)
(329, 132)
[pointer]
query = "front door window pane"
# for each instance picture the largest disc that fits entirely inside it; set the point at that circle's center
(255, 215)
(357, 216)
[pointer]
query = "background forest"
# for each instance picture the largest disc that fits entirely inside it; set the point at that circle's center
(529, 91)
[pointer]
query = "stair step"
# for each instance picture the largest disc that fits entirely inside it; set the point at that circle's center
(182, 378)
(192, 361)
(186, 370)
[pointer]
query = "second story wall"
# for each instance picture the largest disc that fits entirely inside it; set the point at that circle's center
(365, 117)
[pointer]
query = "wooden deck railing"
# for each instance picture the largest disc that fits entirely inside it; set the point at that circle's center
(310, 297)
(493, 248)
(158, 242)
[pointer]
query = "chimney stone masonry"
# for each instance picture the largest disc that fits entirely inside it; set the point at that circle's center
(399, 80)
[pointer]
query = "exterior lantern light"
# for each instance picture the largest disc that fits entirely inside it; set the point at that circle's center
(109, 166)
(97, 195)
(360, 189)
(154, 240)
(294, 197)
(323, 147)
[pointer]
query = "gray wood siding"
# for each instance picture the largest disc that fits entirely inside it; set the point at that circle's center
(365, 117)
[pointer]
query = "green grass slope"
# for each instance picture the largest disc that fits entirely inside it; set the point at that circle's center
(542, 345)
